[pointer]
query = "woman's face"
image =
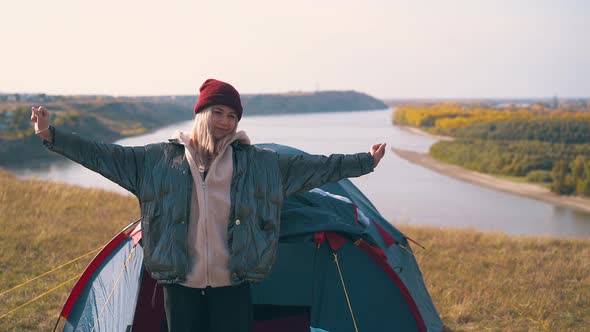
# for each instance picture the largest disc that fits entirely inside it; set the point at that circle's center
(225, 120)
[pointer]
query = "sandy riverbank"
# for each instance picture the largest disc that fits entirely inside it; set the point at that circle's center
(421, 132)
(523, 189)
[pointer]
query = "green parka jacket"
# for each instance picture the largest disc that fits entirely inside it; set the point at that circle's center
(159, 176)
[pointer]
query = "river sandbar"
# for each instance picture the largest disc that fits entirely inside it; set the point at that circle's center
(523, 189)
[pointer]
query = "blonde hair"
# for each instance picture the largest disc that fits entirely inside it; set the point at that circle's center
(206, 146)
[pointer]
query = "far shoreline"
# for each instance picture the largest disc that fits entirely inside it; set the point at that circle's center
(528, 190)
(421, 132)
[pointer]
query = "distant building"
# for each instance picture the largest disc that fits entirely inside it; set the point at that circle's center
(513, 105)
(555, 103)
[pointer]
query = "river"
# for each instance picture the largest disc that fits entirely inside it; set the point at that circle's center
(404, 193)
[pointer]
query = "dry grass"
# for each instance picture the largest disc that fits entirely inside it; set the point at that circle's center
(493, 282)
(43, 225)
(478, 281)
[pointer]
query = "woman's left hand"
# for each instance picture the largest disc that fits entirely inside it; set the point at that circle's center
(377, 151)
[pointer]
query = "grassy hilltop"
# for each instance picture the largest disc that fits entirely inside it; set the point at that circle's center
(44, 225)
(494, 282)
(478, 281)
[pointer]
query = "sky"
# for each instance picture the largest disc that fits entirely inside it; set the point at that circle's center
(386, 48)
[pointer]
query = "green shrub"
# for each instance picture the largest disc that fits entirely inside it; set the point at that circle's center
(539, 176)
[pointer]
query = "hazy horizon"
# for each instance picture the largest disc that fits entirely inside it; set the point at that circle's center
(286, 92)
(389, 49)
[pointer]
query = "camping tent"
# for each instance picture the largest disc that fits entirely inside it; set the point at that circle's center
(340, 267)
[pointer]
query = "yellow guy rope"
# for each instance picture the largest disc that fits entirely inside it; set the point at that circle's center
(48, 272)
(114, 287)
(40, 296)
(345, 292)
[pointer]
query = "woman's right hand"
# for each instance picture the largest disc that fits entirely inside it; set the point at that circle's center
(40, 117)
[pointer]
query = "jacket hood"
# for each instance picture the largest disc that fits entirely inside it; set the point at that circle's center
(182, 138)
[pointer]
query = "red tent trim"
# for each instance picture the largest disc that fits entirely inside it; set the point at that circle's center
(335, 240)
(136, 234)
(382, 261)
(319, 238)
(389, 240)
(94, 264)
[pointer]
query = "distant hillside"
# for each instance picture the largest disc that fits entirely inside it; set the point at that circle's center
(293, 102)
(108, 119)
(104, 121)
(326, 101)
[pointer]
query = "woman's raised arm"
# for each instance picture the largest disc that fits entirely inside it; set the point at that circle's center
(121, 164)
(304, 172)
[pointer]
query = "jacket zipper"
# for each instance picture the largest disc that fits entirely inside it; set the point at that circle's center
(188, 218)
(207, 277)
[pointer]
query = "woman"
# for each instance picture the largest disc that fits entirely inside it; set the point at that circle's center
(210, 205)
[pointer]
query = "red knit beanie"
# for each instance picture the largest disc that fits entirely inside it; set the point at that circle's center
(214, 92)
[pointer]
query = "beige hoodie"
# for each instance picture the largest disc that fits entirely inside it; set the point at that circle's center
(209, 214)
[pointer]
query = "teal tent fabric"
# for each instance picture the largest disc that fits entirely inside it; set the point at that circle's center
(305, 273)
(108, 299)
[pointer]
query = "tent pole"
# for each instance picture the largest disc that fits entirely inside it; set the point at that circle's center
(56, 323)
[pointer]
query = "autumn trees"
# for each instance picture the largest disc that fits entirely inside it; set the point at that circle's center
(547, 146)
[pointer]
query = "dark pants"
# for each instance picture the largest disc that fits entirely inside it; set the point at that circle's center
(219, 309)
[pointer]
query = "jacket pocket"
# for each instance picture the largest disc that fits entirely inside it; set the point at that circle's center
(149, 230)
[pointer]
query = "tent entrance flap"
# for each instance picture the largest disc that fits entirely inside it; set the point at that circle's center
(272, 318)
(294, 284)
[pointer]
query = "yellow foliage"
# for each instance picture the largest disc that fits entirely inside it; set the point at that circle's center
(451, 116)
